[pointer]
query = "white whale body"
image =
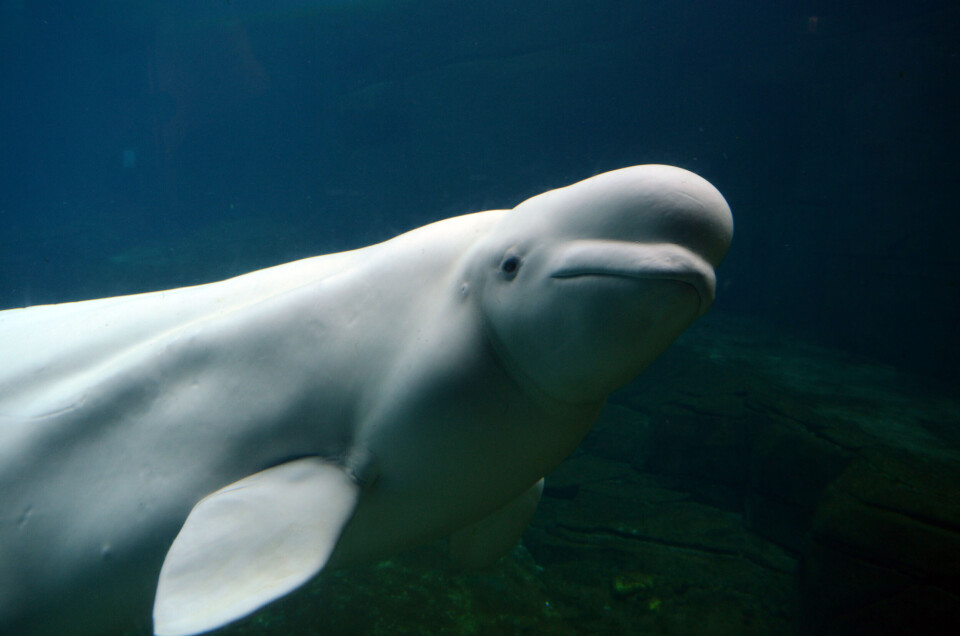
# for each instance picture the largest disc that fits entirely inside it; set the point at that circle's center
(207, 450)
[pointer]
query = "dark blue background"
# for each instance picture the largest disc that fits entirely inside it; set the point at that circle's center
(149, 145)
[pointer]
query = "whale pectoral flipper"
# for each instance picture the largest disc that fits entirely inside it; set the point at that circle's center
(252, 542)
(484, 542)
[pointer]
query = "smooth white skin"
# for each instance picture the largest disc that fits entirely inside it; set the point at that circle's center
(445, 384)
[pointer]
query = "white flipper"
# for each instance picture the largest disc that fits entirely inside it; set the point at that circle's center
(252, 542)
(481, 544)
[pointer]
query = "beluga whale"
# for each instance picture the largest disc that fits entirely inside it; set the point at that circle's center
(192, 455)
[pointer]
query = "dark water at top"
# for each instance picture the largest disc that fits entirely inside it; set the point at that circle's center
(156, 144)
(791, 464)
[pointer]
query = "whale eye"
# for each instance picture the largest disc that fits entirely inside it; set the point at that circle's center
(510, 265)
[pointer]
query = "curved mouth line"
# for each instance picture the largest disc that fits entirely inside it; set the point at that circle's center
(691, 278)
(622, 259)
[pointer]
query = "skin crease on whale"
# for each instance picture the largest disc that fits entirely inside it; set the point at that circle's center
(207, 450)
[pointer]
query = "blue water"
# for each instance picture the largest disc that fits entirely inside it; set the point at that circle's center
(148, 145)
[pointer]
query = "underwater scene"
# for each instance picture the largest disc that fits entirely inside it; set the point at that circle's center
(737, 377)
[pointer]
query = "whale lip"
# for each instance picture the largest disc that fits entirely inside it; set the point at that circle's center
(622, 259)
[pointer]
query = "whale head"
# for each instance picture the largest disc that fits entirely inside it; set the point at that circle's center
(582, 287)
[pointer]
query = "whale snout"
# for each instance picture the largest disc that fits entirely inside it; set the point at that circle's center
(700, 220)
(664, 261)
(658, 222)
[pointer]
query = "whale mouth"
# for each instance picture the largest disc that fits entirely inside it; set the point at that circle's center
(662, 261)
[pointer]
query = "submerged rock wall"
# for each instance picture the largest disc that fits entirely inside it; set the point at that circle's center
(841, 477)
